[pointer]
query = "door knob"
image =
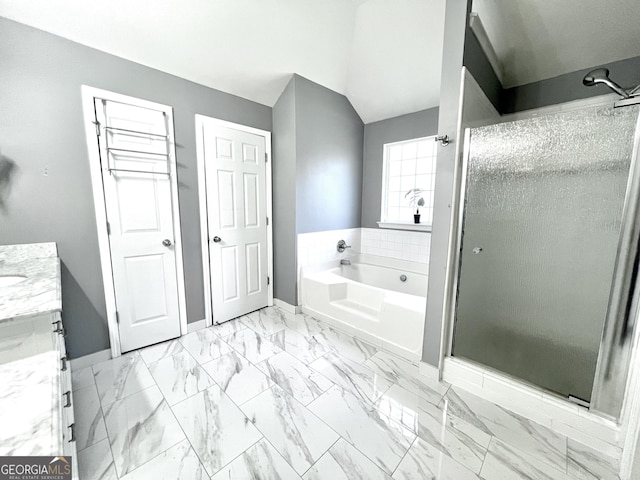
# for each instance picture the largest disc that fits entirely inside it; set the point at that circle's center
(166, 242)
(217, 239)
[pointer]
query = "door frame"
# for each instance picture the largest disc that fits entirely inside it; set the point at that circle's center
(201, 121)
(95, 168)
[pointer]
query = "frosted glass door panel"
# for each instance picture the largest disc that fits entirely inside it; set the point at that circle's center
(542, 218)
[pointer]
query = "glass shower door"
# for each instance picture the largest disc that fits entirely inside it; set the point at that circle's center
(541, 225)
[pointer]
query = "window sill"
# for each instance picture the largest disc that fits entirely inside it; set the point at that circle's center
(416, 227)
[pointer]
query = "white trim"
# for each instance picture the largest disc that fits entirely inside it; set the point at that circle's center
(90, 360)
(200, 120)
(195, 326)
(287, 307)
(88, 95)
(535, 404)
(415, 227)
(429, 371)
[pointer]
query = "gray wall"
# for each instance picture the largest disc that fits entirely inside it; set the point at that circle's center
(329, 138)
(560, 89)
(397, 129)
(318, 140)
(565, 88)
(479, 66)
(41, 127)
(284, 195)
(456, 18)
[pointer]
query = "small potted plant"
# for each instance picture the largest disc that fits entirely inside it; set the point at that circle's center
(415, 198)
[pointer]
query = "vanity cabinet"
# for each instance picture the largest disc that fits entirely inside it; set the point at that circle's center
(33, 362)
(36, 401)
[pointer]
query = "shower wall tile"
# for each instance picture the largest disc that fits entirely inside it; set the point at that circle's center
(398, 244)
(321, 247)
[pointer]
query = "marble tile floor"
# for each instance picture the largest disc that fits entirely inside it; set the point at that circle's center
(273, 395)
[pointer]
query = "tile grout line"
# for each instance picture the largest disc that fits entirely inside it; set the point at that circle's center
(403, 456)
(327, 451)
(106, 430)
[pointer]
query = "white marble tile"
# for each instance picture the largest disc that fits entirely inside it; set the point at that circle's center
(346, 345)
(590, 464)
(425, 461)
(294, 377)
(260, 462)
(120, 377)
(161, 350)
(237, 377)
(266, 321)
(344, 462)
(81, 378)
(140, 427)
(216, 428)
(176, 463)
(251, 345)
(227, 328)
(461, 441)
(352, 376)
(513, 429)
(179, 376)
(305, 349)
(89, 424)
(378, 437)
(96, 462)
(299, 436)
(303, 324)
(407, 375)
(204, 345)
(504, 462)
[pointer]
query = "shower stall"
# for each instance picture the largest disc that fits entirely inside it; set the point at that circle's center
(546, 258)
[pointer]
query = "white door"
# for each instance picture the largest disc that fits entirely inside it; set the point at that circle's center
(236, 193)
(138, 198)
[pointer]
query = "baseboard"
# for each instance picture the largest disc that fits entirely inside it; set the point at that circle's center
(90, 360)
(429, 371)
(287, 307)
(197, 325)
(534, 404)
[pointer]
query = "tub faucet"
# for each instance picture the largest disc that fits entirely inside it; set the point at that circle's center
(342, 246)
(344, 261)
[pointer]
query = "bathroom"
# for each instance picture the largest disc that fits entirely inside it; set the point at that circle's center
(321, 192)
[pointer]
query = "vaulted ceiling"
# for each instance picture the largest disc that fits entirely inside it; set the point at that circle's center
(539, 39)
(384, 55)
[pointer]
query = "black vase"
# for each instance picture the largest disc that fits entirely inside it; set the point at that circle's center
(416, 218)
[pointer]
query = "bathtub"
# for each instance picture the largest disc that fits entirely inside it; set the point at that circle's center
(368, 299)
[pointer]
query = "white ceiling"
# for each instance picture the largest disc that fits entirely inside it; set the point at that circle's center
(384, 55)
(540, 39)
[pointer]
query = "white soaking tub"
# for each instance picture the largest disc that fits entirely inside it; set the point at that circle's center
(370, 300)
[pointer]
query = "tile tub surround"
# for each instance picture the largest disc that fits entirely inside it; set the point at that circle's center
(401, 245)
(40, 292)
(388, 423)
(317, 251)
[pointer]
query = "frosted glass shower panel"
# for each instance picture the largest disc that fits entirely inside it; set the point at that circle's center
(542, 217)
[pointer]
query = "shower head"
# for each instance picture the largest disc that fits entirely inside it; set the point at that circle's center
(601, 75)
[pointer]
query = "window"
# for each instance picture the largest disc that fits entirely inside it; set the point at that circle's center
(408, 165)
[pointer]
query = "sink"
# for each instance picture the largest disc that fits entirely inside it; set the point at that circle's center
(8, 280)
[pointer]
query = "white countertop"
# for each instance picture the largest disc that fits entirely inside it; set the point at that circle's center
(40, 292)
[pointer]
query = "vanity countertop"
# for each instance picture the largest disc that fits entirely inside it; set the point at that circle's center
(40, 292)
(30, 387)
